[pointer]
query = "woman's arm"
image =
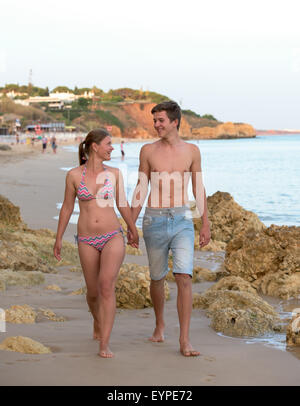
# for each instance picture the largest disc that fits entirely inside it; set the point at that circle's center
(125, 210)
(64, 214)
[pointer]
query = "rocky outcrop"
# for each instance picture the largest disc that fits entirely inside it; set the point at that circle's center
(9, 213)
(20, 278)
(269, 259)
(236, 310)
(26, 250)
(24, 345)
(133, 287)
(293, 330)
(224, 131)
(18, 314)
(140, 113)
(227, 219)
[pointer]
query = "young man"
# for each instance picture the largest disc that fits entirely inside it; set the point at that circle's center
(167, 225)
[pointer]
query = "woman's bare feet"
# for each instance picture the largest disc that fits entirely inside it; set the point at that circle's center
(187, 350)
(105, 352)
(158, 335)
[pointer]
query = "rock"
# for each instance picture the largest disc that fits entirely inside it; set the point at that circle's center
(234, 283)
(4, 147)
(20, 314)
(242, 322)
(227, 219)
(269, 259)
(225, 130)
(24, 345)
(237, 313)
(80, 291)
(21, 278)
(53, 287)
(2, 285)
(133, 287)
(50, 315)
(293, 330)
(9, 213)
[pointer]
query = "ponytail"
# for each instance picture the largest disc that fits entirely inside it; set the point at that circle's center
(96, 136)
(81, 153)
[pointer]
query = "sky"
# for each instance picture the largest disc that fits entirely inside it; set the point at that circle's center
(238, 60)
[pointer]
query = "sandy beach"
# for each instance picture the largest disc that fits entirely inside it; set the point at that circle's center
(34, 182)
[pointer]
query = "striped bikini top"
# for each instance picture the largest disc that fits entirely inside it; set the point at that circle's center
(106, 192)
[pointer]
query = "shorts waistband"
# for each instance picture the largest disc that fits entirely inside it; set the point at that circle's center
(166, 211)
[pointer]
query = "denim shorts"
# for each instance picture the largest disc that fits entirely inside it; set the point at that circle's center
(169, 229)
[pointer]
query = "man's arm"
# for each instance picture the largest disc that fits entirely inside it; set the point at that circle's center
(141, 189)
(200, 196)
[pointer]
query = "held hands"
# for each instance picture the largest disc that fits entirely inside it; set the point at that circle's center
(204, 237)
(57, 249)
(133, 238)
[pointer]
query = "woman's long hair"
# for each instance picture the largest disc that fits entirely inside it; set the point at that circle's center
(95, 136)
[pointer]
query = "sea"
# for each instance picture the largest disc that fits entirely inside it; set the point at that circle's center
(262, 174)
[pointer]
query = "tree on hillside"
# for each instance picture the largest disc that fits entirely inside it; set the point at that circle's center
(209, 117)
(62, 89)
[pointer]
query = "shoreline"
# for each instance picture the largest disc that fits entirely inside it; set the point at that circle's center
(36, 185)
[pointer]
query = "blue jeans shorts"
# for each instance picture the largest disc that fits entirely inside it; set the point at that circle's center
(169, 229)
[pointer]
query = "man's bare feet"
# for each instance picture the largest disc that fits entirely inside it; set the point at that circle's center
(97, 334)
(157, 336)
(187, 350)
(105, 352)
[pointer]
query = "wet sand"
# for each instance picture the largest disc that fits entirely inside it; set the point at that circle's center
(36, 184)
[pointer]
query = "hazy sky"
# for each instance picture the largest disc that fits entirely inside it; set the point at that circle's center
(238, 60)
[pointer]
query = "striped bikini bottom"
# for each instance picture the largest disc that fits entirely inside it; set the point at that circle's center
(98, 241)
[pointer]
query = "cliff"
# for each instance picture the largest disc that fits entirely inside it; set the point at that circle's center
(128, 119)
(224, 131)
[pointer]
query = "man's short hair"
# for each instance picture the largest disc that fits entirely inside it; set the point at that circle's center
(171, 108)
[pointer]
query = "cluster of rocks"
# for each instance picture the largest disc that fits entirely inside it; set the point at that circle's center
(133, 287)
(266, 260)
(25, 254)
(236, 309)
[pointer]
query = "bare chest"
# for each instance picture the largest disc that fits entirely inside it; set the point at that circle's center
(170, 162)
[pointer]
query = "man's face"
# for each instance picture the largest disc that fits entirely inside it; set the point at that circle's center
(163, 125)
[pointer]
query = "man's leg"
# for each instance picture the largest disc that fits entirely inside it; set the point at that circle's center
(184, 308)
(182, 247)
(157, 293)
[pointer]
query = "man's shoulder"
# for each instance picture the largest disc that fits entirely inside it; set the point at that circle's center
(146, 148)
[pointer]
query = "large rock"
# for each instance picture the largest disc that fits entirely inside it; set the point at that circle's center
(269, 259)
(236, 310)
(25, 345)
(9, 213)
(133, 287)
(293, 330)
(20, 278)
(20, 314)
(225, 130)
(227, 219)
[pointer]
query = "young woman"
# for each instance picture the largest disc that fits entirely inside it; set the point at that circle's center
(100, 238)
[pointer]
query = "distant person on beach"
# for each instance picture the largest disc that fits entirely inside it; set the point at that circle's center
(122, 150)
(168, 164)
(100, 237)
(53, 144)
(44, 143)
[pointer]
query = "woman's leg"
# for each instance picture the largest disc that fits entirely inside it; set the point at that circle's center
(90, 263)
(112, 256)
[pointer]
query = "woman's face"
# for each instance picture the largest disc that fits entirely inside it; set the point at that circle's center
(104, 149)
